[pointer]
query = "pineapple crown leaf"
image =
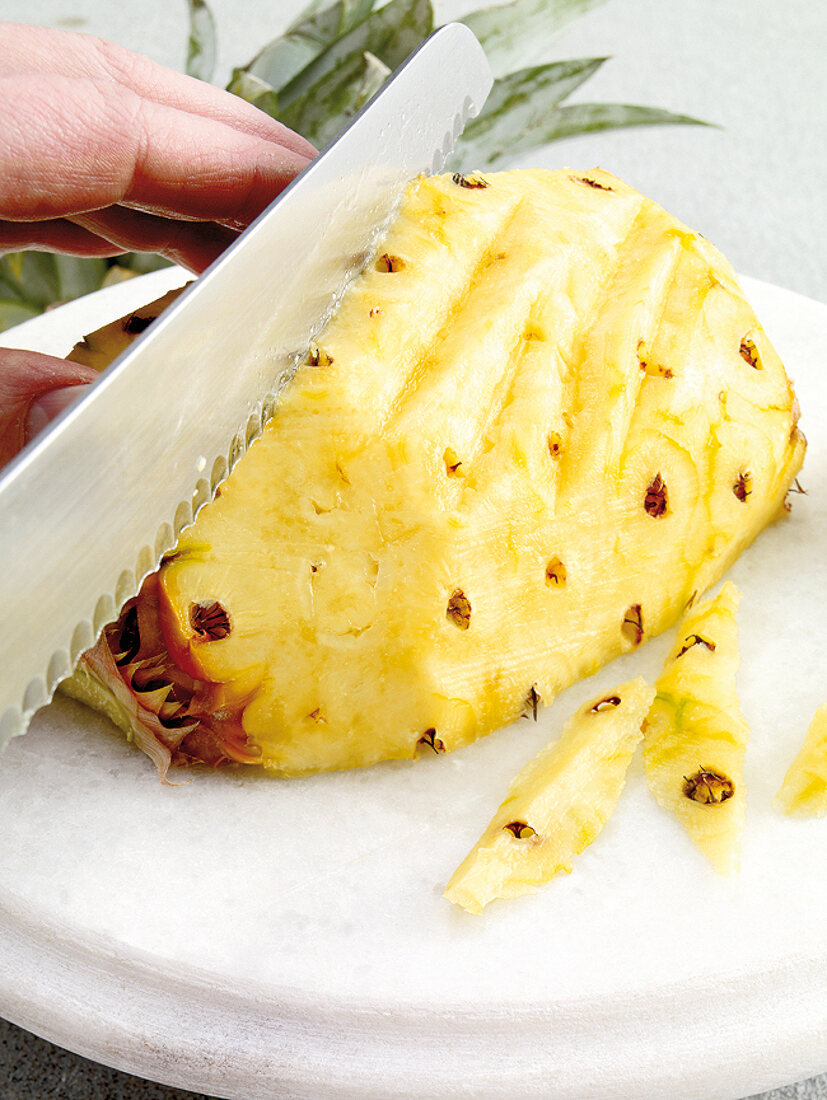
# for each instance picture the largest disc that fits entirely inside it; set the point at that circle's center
(522, 30)
(201, 47)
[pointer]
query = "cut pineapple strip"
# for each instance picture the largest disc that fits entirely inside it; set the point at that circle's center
(559, 802)
(541, 419)
(695, 734)
(804, 790)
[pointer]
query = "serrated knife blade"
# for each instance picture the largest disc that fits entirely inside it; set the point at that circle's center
(88, 509)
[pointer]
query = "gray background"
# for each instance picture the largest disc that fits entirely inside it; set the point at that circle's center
(754, 186)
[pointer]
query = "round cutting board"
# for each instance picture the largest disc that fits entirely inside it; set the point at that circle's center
(250, 937)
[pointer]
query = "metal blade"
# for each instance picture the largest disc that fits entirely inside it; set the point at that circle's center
(87, 511)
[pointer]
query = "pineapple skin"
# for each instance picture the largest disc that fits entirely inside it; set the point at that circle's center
(804, 790)
(559, 802)
(512, 455)
(695, 724)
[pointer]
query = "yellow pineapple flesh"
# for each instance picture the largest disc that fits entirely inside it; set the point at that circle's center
(541, 419)
(99, 348)
(695, 734)
(558, 804)
(804, 790)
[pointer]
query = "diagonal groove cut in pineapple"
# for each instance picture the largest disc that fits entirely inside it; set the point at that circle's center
(478, 446)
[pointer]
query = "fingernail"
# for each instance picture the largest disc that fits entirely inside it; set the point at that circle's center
(48, 405)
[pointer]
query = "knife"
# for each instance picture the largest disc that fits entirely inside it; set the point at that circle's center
(90, 507)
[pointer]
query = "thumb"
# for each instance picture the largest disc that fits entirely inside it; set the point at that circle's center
(34, 388)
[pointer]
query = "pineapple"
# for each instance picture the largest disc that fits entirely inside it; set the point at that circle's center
(99, 348)
(558, 804)
(542, 419)
(804, 790)
(695, 734)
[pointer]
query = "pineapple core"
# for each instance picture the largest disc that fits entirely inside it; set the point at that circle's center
(541, 419)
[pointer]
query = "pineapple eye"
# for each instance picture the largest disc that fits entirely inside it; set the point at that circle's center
(459, 609)
(134, 324)
(590, 183)
(317, 357)
(474, 180)
(749, 353)
(696, 639)
(452, 463)
(605, 704)
(656, 500)
(556, 574)
(209, 620)
(532, 699)
(388, 263)
(519, 829)
(430, 740)
(654, 369)
(708, 787)
(632, 626)
(317, 715)
(743, 486)
(555, 444)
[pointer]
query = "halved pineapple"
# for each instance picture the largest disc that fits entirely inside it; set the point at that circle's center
(695, 734)
(559, 802)
(497, 468)
(804, 790)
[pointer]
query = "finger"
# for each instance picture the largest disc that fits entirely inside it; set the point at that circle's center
(194, 245)
(30, 49)
(118, 148)
(58, 235)
(33, 389)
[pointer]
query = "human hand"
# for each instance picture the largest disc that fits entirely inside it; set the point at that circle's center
(102, 151)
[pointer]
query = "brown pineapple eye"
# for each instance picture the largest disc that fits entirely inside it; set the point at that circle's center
(656, 500)
(532, 700)
(696, 639)
(430, 740)
(590, 183)
(632, 625)
(749, 353)
(605, 704)
(556, 574)
(318, 357)
(742, 486)
(135, 325)
(209, 620)
(388, 263)
(453, 463)
(459, 609)
(519, 829)
(473, 180)
(708, 787)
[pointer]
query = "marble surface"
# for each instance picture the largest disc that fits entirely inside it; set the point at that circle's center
(754, 68)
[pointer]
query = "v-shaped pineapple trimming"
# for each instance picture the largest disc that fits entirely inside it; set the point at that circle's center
(543, 419)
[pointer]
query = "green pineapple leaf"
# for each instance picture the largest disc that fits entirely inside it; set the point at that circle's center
(323, 97)
(588, 118)
(524, 111)
(307, 36)
(255, 90)
(14, 313)
(201, 48)
(522, 30)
